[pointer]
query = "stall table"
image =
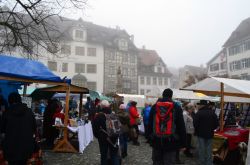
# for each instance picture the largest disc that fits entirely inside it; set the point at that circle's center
(234, 136)
(85, 135)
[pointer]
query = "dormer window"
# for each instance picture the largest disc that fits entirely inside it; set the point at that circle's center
(159, 70)
(79, 34)
(123, 44)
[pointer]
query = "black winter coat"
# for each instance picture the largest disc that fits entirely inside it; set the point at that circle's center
(205, 122)
(19, 126)
(171, 143)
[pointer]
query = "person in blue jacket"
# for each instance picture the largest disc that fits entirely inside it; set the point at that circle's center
(146, 113)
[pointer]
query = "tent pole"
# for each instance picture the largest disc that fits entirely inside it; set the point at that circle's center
(24, 90)
(222, 106)
(65, 132)
(64, 145)
(80, 105)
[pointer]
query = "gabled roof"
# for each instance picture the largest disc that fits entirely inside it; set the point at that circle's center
(241, 33)
(217, 55)
(95, 33)
(147, 59)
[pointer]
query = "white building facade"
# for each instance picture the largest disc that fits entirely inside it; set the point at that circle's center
(217, 66)
(239, 60)
(76, 56)
(236, 53)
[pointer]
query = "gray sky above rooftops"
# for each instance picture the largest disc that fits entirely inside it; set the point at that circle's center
(183, 32)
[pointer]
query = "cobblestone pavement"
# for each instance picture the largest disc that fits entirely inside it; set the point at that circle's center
(137, 155)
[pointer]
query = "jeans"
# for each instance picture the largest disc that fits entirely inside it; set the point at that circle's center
(146, 131)
(161, 157)
(189, 140)
(107, 151)
(205, 151)
(124, 142)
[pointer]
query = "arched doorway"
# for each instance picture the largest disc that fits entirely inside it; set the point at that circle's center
(79, 80)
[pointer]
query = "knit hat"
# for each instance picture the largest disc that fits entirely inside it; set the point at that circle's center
(122, 106)
(167, 93)
(104, 103)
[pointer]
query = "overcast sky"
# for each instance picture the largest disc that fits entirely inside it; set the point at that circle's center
(183, 32)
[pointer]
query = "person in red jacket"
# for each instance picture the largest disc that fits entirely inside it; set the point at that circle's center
(134, 118)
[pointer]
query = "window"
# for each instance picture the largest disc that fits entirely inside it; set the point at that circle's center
(52, 47)
(112, 70)
(132, 59)
(132, 70)
(110, 55)
(125, 58)
(160, 81)
(245, 63)
(236, 49)
(148, 91)
(233, 50)
(123, 45)
(159, 69)
(125, 72)
(223, 65)
(148, 80)
(142, 80)
(235, 65)
(154, 81)
(126, 85)
(245, 76)
(65, 67)
(247, 45)
(79, 34)
(165, 81)
(65, 49)
(79, 68)
(214, 67)
(91, 51)
(91, 85)
(79, 50)
(142, 92)
(52, 65)
(91, 68)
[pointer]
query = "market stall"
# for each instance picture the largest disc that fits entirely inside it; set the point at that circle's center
(49, 92)
(229, 90)
(26, 72)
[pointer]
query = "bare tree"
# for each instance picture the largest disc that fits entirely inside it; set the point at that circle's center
(30, 23)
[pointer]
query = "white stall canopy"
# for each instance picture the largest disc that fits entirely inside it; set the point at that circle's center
(234, 90)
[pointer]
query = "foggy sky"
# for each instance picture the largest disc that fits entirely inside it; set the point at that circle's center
(183, 32)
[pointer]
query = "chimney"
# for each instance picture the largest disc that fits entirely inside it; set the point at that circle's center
(117, 27)
(132, 37)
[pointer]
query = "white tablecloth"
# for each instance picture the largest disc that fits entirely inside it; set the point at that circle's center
(85, 135)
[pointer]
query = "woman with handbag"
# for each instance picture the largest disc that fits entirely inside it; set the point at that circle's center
(134, 122)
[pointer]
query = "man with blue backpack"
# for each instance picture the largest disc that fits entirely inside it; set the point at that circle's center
(145, 114)
(166, 129)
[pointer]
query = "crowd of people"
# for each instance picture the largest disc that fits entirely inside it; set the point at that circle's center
(170, 127)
